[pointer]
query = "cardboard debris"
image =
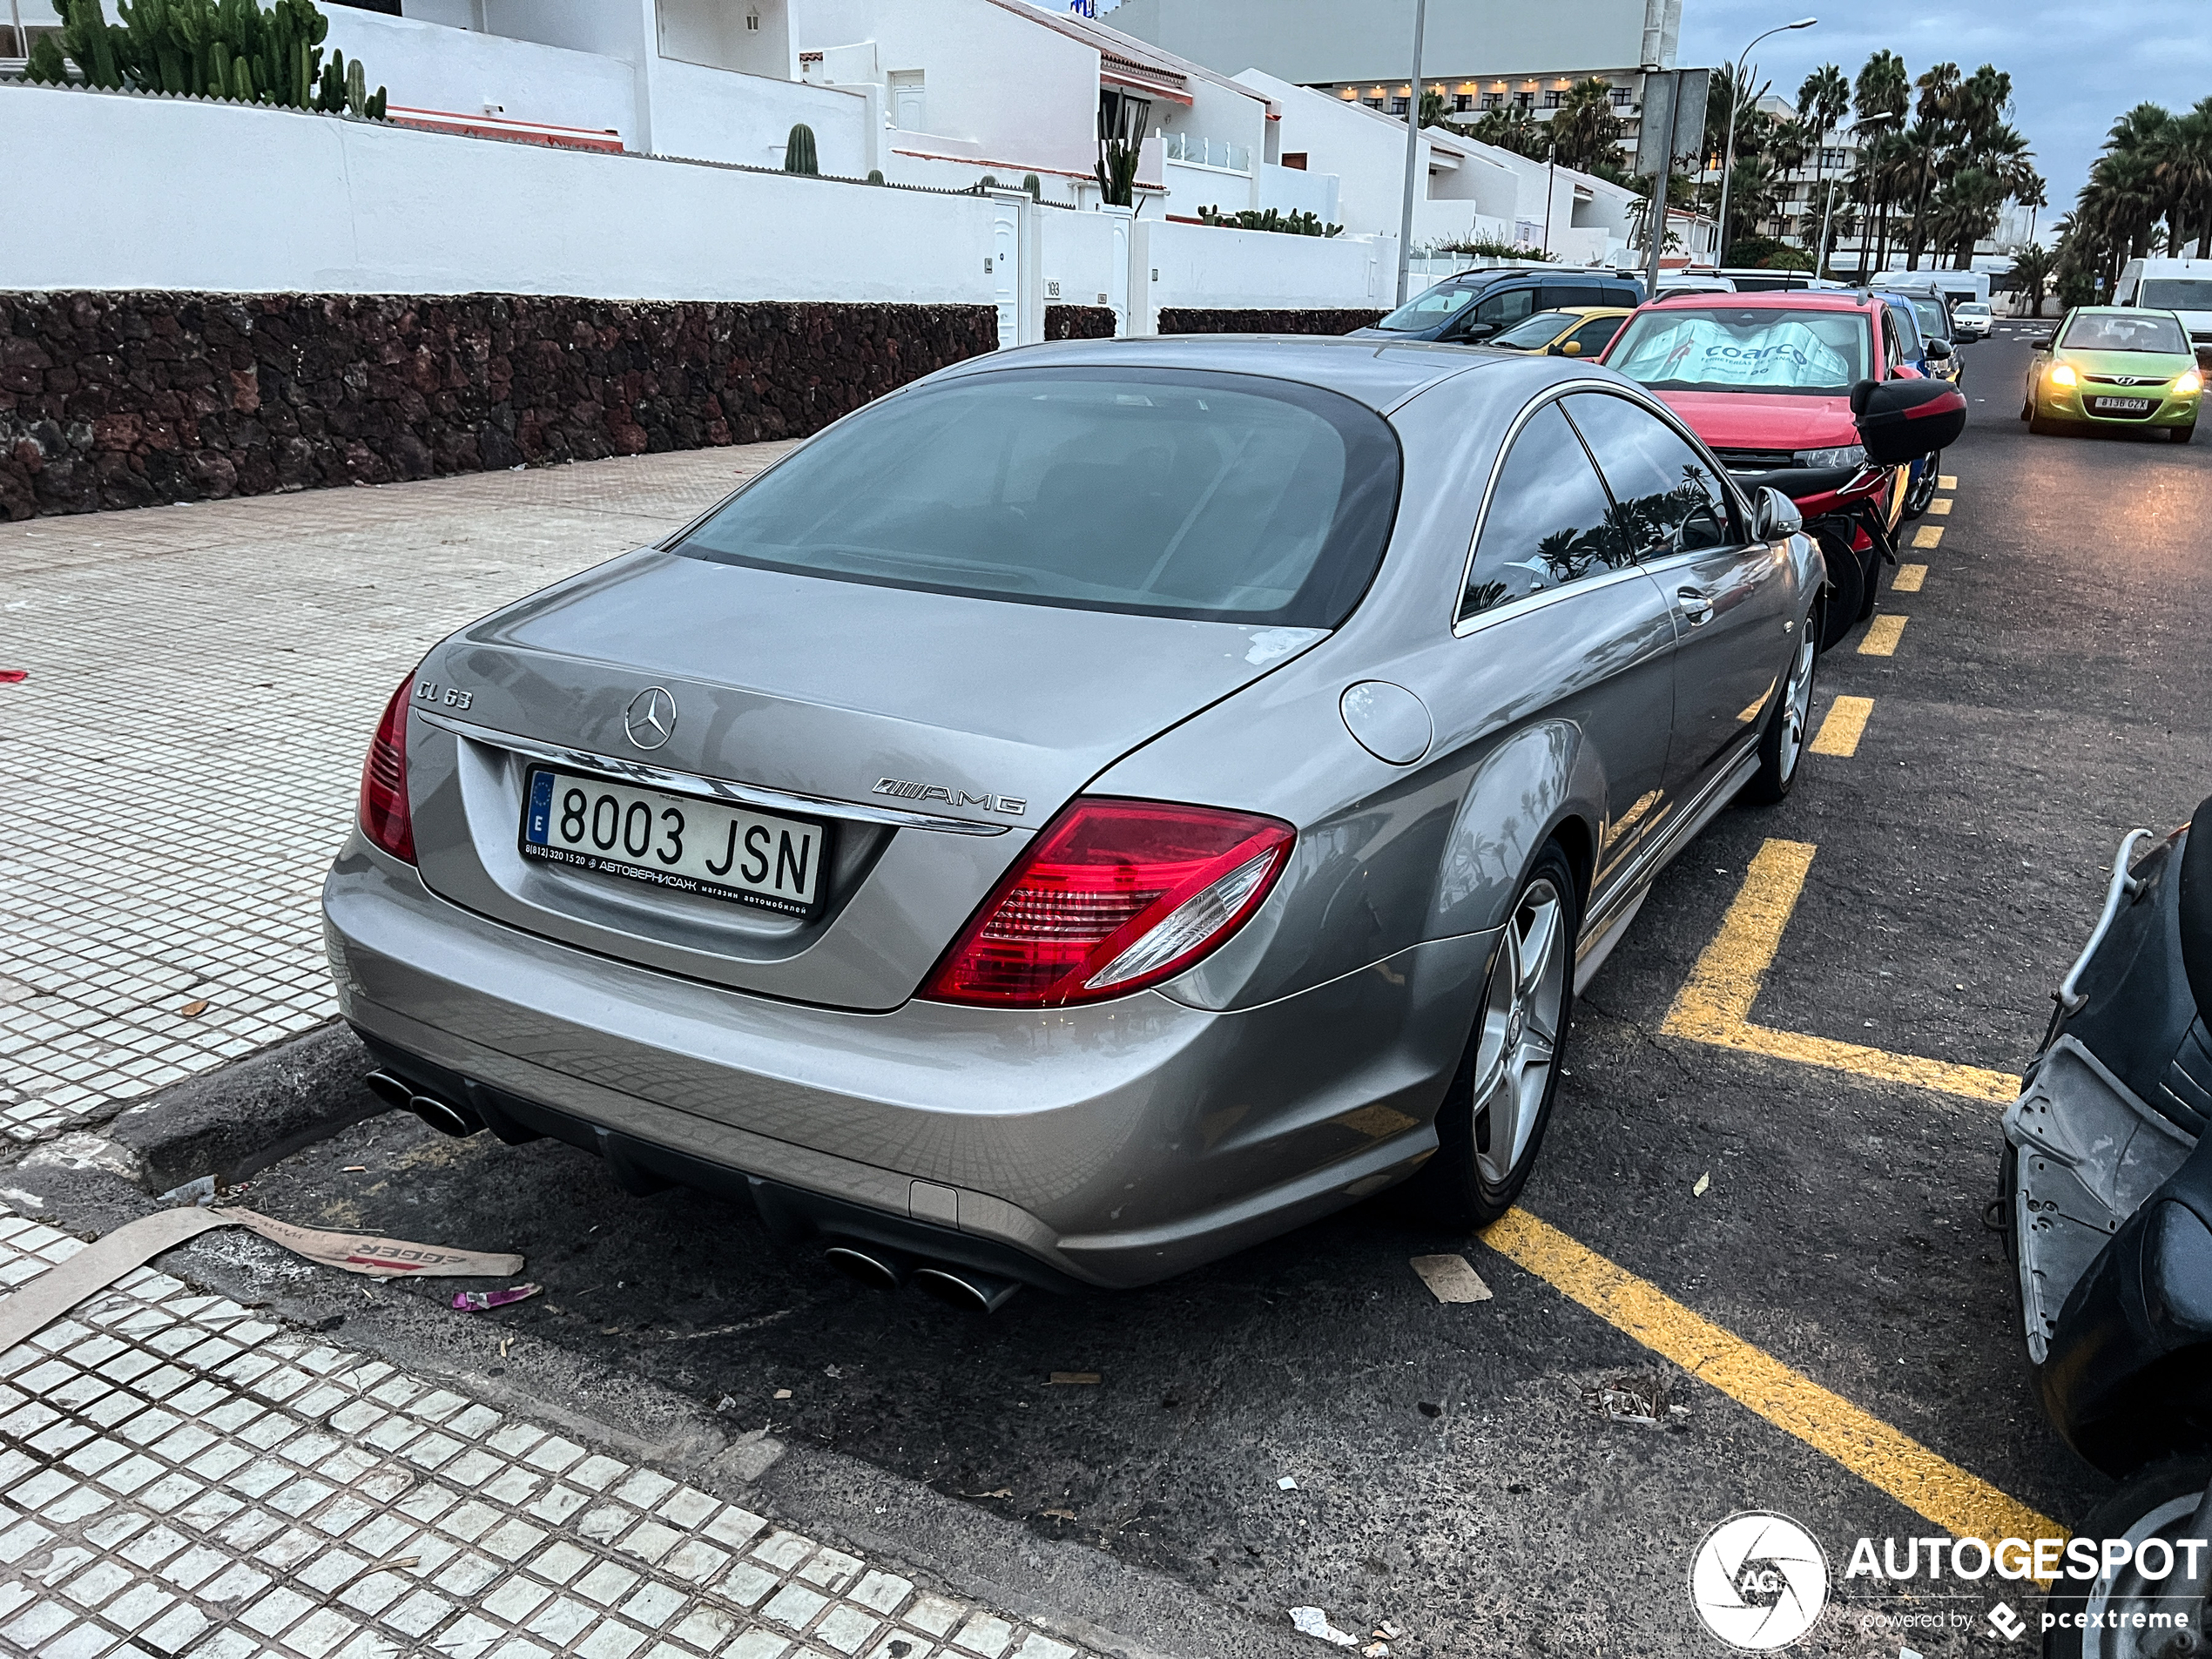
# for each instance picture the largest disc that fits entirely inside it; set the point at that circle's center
(1451, 1278)
(194, 1009)
(376, 1258)
(1703, 1182)
(1060, 1378)
(1312, 1621)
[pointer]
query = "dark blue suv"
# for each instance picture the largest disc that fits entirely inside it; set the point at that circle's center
(1468, 308)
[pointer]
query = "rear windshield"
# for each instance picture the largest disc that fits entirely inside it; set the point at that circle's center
(2177, 293)
(1161, 492)
(1426, 311)
(2103, 331)
(1733, 349)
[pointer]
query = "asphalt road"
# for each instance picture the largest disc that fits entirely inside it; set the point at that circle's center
(1454, 1473)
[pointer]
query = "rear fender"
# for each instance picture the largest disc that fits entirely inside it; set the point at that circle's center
(1540, 777)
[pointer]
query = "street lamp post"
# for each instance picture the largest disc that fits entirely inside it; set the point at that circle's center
(1735, 107)
(1413, 150)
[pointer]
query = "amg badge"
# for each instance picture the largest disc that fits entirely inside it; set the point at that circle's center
(900, 789)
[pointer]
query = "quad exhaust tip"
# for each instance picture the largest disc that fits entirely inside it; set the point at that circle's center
(883, 1268)
(875, 1267)
(963, 1287)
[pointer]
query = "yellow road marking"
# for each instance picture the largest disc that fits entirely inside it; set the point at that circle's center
(1960, 1502)
(1845, 725)
(1908, 578)
(1881, 637)
(1943, 480)
(1928, 536)
(1941, 506)
(1714, 1003)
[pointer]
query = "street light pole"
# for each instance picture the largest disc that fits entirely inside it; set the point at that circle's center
(1735, 107)
(1413, 150)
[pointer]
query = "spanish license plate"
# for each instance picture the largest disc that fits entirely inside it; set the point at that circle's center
(680, 842)
(2123, 406)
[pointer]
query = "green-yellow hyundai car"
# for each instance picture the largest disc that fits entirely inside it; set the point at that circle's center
(2113, 365)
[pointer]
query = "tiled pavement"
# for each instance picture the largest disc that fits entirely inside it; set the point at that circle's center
(180, 1478)
(181, 764)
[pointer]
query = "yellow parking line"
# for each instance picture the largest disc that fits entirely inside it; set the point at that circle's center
(1714, 1003)
(1927, 536)
(1943, 480)
(1845, 725)
(1908, 578)
(1881, 637)
(1941, 506)
(1960, 1502)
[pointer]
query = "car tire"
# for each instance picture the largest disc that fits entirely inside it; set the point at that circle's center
(2158, 1499)
(1491, 1125)
(2044, 427)
(1789, 725)
(2181, 434)
(1918, 496)
(1846, 589)
(2028, 409)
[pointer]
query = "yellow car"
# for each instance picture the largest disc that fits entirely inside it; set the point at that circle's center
(1572, 331)
(2113, 365)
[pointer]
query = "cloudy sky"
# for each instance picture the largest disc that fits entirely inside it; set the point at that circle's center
(2074, 67)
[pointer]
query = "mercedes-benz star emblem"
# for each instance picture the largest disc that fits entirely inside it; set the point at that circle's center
(650, 718)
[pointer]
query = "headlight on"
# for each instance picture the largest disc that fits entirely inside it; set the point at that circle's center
(2189, 385)
(1849, 454)
(2063, 374)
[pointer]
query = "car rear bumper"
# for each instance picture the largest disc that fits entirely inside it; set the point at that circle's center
(1115, 1143)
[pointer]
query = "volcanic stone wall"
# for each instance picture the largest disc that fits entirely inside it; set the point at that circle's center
(127, 399)
(1079, 323)
(1182, 321)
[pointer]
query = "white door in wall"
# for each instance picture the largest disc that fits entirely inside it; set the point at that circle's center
(1117, 275)
(907, 113)
(1006, 267)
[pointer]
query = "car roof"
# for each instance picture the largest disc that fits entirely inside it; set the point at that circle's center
(1588, 310)
(1769, 299)
(1382, 374)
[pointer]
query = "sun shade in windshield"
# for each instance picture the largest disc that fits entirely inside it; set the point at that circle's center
(1164, 492)
(1770, 350)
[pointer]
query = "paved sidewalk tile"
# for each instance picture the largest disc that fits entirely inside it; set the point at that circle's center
(167, 1496)
(184, 758)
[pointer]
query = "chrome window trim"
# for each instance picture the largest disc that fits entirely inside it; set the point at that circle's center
(1462, 626)
(688, 783)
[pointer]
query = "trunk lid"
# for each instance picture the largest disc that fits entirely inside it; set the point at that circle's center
(865, 708)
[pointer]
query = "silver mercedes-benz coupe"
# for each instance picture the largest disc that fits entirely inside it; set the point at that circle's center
(1093, 809)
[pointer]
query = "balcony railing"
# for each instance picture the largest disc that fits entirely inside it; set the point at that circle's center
(1209, 153)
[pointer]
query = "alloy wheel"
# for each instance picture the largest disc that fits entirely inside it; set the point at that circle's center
(1796, 706)
(1521, 1020)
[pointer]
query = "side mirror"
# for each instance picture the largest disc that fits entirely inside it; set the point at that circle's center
(1473, 331)
(2041, 342)
(1938, 350)
(1572, 349)
(1901, 421)
(1774, 515)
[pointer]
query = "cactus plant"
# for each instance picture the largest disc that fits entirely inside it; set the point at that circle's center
(1033, 185)
(356, 88)
(46, 62)
(875, 175)
(799, 150)
(214, 48)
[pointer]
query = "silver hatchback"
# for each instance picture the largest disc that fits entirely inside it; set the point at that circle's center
(1093, 809)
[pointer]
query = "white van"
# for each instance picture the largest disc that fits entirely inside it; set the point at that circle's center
(2183, 285)
(1957, 286)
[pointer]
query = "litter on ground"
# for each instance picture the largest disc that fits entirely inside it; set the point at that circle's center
(1451, 1278)
(484, 1301)
(1312, 1621)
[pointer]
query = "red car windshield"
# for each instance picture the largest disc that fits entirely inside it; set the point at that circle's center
(1747, 348)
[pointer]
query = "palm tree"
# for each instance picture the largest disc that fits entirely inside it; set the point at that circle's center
(2030, 274)
(1823, 101)
(1510, 126)
(1879, 97)
(1915, 169)
(1585, 131)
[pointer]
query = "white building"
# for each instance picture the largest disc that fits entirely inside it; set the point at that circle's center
(1478, 54)
(1471, 191)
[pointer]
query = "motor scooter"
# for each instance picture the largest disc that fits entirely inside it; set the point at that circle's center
(2104, 1201)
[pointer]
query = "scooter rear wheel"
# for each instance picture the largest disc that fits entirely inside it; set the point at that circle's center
(2159, 1501)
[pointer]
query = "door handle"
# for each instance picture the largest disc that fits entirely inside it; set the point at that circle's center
(1695, 605)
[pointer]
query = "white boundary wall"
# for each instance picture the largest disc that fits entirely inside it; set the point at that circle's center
(130, 191)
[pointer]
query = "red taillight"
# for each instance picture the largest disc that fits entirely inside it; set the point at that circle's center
(1113, 895)
(385, 818)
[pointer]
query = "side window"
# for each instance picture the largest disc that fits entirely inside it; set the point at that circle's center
(1892, 354)
(1668, 500)
(1550, 521)
(1594, 337)
(1499, 309)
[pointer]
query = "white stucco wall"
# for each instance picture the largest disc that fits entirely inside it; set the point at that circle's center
(719, 115)
(1209, 266)
(429, 66)
(219, 198)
